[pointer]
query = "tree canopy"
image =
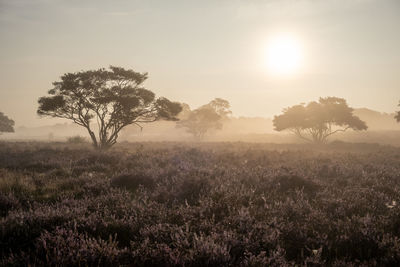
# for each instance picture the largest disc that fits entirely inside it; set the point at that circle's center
(397, 117)
(106, 101)
(6, 124)
(205, 118)
(316, 121)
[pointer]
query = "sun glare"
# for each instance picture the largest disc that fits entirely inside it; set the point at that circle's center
(283, 55)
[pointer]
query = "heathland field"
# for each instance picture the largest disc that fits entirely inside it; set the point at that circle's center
(214, 204)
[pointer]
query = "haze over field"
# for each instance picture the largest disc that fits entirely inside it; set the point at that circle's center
(200, 133)
(382, 128)
(262, 56)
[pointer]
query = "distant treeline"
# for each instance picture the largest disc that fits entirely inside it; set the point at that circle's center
(108, 103)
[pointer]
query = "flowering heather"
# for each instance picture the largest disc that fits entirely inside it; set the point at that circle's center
(214, 204)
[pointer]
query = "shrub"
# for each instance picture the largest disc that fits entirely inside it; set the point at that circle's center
(7, 203)
(287, 184)
(191, 189)
(131, 181)
(77, 139)
(63, 247)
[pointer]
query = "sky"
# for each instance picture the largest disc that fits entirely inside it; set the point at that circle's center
(195, 51)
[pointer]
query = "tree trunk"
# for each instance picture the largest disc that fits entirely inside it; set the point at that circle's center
(93, 137)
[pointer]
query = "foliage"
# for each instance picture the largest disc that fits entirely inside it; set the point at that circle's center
(206, 118)
(316, 121)
(132, 181)
(77, 139)
(185, 112)
(166, 204)
(397, 117)
(112, 98)
(220, 106)
(6, 124)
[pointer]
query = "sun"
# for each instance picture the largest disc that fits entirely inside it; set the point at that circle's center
(283, 55)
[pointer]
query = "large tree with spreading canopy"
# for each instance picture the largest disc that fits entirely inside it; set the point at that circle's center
(105, 101)
(316, 121)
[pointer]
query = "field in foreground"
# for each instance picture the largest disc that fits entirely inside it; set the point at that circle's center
(171, 204)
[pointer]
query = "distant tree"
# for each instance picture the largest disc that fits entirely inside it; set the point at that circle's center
(185, 112)
(113, 98)
(206, 118)
(6, 124)
(397, 117)
(220, 106)
(316, 121)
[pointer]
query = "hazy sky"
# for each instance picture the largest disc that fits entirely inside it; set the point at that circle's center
(195, 51)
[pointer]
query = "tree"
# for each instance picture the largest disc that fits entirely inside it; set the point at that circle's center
(220, 106)
(185, 112)
(316, 121)
(206, 118)
(397, 117)
(6, 124)
(112, 98)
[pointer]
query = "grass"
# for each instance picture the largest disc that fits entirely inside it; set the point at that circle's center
(212, 204)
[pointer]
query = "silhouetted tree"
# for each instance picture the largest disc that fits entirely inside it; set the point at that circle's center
(6, 124)
(112, 98)
(316, 121)
(206, 118)
(397, 117)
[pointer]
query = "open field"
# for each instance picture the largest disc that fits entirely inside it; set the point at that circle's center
(213, 204)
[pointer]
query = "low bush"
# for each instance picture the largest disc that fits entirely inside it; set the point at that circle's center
(132, 181)
(77, 139)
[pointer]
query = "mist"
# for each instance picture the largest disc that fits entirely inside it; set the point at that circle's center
(199, 133)
(382, 128)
